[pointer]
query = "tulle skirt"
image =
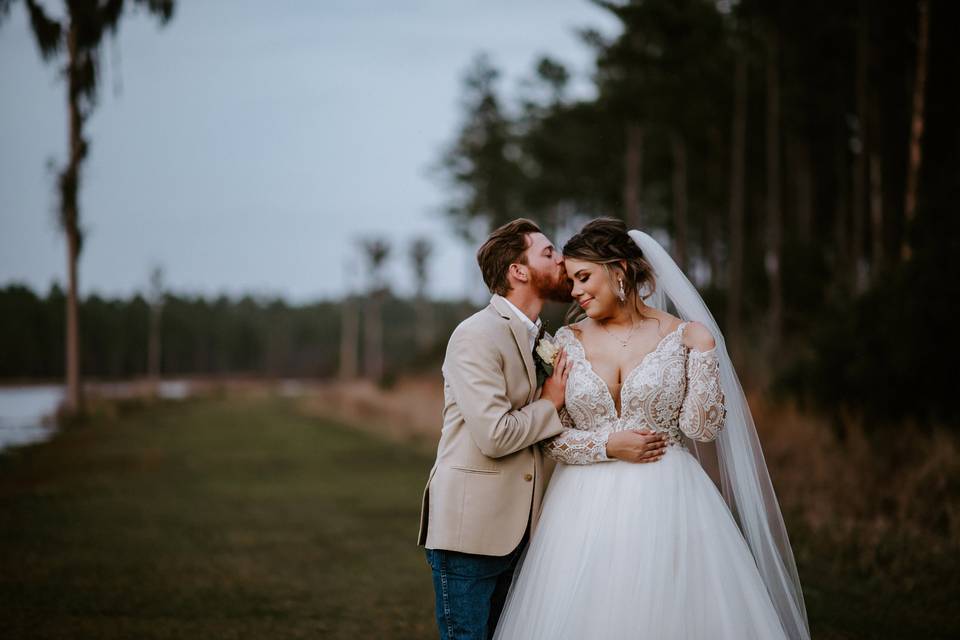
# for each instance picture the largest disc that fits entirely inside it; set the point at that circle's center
(637, 551)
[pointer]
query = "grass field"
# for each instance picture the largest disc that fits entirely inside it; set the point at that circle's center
(244, 518)
(213, 519)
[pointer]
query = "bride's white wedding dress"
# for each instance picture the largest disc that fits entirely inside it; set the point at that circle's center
(625, 550)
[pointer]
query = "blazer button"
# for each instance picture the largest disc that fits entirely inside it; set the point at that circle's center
(528, 477)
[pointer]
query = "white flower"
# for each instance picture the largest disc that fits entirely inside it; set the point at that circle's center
(547, 350)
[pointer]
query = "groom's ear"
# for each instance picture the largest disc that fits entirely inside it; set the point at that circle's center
(519, 272)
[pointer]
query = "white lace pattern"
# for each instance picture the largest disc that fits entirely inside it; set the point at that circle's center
(673, 390)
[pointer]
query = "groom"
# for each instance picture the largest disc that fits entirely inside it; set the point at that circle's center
(483, 495)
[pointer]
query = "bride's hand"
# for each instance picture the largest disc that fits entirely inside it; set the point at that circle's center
(555, 387)
(636, 445)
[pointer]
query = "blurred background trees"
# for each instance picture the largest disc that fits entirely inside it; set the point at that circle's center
(797, 159)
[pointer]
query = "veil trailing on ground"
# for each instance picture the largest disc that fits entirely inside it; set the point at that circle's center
(744, 479)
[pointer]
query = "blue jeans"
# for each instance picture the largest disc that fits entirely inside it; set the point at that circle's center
(470, 591)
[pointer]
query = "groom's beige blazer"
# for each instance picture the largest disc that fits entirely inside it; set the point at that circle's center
(488, 481)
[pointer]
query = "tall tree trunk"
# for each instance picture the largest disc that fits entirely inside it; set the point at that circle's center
(74, 389)
(633, 176)
(774, 214)
(876, 215)
(156, 318)
(916, 125)
(858, 205)
(153, 348)
(680, 199)
(840, 214)
(424, 328)
(713, 217)
(373, 334)
(69, 219)
(802, 175)
(708, 247)
(738, 151)
(349, 337)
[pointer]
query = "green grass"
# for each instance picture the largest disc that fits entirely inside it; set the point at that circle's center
(213, 519)
(241, 518)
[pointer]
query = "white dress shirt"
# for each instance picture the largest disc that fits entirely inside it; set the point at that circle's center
(533, 328)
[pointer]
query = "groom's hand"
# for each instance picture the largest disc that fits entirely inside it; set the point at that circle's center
(636, 445)
(555, 387)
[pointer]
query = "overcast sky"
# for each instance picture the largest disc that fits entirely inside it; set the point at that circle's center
(252, 142)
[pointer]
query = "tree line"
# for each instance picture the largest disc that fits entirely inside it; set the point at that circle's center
(210, 336)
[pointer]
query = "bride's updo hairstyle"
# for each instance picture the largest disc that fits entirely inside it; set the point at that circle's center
(604, 241)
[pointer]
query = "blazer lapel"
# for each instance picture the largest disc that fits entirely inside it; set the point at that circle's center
(522, 338)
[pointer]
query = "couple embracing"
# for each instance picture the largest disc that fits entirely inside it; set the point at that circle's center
(632, 538)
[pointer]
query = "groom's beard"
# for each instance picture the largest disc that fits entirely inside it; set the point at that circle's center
(555, 288)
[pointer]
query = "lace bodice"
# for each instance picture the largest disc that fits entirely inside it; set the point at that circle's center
(673, 390)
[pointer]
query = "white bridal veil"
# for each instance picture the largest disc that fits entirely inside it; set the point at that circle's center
(744, 479)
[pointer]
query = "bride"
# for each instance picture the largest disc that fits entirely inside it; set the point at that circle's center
(626, 550)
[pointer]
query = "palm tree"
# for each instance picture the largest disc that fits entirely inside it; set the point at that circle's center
(157, 295)
(420, 251)
(78, 34)
(376, 251)
(349, 325)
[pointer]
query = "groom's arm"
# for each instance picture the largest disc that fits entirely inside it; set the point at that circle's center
(473, 368)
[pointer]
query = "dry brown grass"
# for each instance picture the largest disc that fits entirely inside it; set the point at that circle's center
(410, 410)
(874, 517)
(882, 502)
(891, 499)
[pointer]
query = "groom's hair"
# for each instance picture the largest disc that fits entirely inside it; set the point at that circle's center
(505, 246)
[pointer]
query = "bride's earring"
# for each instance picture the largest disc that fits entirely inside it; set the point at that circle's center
(622, 294)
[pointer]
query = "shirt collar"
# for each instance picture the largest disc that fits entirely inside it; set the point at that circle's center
(533, 328)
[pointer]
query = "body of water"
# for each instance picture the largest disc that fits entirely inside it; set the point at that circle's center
(26, 413)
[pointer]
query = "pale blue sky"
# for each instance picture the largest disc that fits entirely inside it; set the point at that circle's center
(252, 142)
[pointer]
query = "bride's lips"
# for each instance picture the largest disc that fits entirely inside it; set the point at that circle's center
(583, 303)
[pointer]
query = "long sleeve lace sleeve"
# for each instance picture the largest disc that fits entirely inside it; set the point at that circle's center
(576, 446)
(703, 412)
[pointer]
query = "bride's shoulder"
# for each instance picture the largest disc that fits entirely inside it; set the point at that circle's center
(696, 336)
(569, 331)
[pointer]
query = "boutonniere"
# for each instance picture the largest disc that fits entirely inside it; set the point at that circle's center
(545, 355)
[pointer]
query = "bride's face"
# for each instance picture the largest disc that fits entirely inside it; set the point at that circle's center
(591, 288)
